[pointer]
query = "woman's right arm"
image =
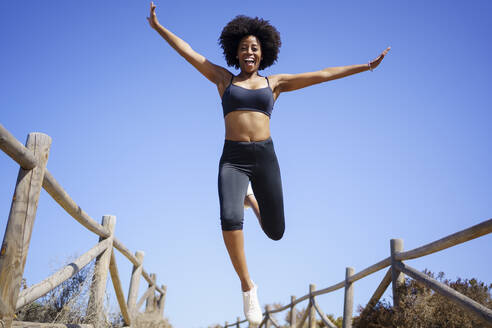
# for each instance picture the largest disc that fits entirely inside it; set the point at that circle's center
(216, 74)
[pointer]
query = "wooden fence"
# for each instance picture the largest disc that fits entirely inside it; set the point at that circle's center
(33, 176)
(394, 275)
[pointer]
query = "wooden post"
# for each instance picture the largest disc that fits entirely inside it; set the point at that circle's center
(118, 290)
(377, 293)
(292, 312)
(225, 325)
(98, 287)
(150, 303)
(135, 283)
(18, 232)
(267, 315)
(397, 278)
(312, 313)
(237, 322)
(162, 300)
(348, 305)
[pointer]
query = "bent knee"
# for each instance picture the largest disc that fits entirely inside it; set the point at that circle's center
(276, 234)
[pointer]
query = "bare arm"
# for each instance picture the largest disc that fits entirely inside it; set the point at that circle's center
(216, 74)
(290, 82)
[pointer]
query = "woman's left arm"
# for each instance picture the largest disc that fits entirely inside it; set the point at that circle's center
(291, 82)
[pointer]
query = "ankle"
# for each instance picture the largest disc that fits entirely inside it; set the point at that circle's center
(246, 285)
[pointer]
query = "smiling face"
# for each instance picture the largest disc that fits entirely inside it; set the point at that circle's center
(249, 54)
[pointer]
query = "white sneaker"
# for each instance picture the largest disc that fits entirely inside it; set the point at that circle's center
(252, 309)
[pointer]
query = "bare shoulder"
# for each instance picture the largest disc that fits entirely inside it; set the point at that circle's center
(276, 82)
(225, 77)
(222, 74)
(277, 79)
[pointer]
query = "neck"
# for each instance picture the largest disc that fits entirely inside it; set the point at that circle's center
(247, 75)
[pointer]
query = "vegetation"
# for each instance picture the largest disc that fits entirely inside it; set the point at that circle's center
(68, 304)
(319, 323)
(420, 307)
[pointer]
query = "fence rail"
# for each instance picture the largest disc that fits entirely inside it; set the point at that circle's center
(33, 176)
(394, 276)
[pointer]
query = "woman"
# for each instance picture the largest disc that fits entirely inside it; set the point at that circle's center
(248, 155)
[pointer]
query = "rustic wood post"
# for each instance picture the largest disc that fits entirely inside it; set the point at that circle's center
(18, 232)
(267, 315)
(292, 312)
(101, 268)
(150, 303)
(398, 278)
(348, 305)
(162, 300)
(312, 313)
(237, 322)
(225, 325)
(135, 283)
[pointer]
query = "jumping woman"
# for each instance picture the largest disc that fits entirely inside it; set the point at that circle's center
(248, 156)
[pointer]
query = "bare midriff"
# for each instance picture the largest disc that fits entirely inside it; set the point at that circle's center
(245, 125)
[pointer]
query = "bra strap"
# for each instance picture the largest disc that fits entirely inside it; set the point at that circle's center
(232, 77)
(267, 81)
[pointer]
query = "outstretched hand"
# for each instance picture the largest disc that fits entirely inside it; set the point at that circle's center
(375, 63)
(152, 17)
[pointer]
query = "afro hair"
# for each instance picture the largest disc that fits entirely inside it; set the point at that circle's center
(242, 26)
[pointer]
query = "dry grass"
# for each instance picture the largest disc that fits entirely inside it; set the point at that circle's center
(151, 320)
(420, 307)
(69, 304)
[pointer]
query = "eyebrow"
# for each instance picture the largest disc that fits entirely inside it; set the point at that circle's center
(245, 44)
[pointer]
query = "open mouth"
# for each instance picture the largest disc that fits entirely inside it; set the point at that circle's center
(249, 62)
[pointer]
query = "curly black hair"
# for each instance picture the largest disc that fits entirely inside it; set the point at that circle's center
(242, 26)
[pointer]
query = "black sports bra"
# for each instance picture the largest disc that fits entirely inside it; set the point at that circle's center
(239, 98)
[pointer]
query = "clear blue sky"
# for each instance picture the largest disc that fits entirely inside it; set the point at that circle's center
(401, 152)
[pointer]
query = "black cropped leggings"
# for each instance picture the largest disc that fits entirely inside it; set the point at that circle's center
(244, 161)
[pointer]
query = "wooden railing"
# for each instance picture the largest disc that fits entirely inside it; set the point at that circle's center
(33, 176)
(394, 275)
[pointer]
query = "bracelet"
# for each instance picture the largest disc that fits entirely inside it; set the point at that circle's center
(369, 64)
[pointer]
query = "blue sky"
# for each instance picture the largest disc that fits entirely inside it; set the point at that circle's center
(401, 152)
